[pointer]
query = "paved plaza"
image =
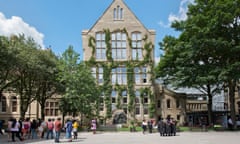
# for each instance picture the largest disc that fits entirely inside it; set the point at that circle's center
(139, 138)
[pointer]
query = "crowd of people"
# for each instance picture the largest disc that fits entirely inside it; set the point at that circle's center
(24, 129)
(165, 127)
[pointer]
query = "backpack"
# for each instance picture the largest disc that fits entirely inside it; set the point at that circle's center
(50, 125)
(26, 126)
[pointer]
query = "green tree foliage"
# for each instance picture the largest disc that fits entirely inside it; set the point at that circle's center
(27, 70)
(81, 92)
(206, 54)
(8, 63)
(47, 84)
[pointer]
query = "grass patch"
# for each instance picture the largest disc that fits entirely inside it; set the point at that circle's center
(127, 129)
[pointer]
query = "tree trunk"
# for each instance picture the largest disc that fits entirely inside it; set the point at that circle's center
(43, 111)
(210, 112)
(231, 86)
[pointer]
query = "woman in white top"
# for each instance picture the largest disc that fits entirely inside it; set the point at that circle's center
(15, 130)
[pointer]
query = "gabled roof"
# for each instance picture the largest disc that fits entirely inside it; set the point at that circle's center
(108, 9)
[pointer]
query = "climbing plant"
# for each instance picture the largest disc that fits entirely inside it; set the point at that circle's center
(109, 64)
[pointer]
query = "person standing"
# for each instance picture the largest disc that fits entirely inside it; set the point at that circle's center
(1, 126)
(69, 128)
(26, 128)
(15, 130)
(150, 126)
(144, 126)
(94, 126)
(75, 129)
(34, 126)
(57, 128)
(50, 126)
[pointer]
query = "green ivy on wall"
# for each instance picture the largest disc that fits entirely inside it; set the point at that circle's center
(109, 64)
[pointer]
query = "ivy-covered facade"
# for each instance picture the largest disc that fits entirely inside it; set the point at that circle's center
(120, 51)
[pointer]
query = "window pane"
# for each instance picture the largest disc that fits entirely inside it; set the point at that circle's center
(118, 36)
(113, 44)
(137, 93)
(113, 36)
(124, 36)
(134, 38)
(114, 77)
(98, 36)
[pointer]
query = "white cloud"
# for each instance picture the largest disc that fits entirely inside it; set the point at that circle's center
(16, 25)
(182, 13)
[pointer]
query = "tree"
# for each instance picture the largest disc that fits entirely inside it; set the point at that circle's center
(28, 72)
(8, 63)
(47, 84)
(81, 92)
(206, 53)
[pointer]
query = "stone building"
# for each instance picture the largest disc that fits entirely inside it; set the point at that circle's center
(120, 51)
(120, 47)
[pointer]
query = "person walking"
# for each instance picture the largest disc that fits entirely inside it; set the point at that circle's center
(57, 128)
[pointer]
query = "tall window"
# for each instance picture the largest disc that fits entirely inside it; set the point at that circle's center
(119, 45)
(145, 111)
(14, 103)
(137, 98)
(114, 100)
(101, 107)
(168, 103)
(137, 46)
(178, 104)
(4, 104)
(118, 13)
(137, 111)
(100, 75)
(100, 46)
(114, 95)
(140, 75)
(159, 104)
(51, 108)
(94, 72)
(124, 96)
(119, 75)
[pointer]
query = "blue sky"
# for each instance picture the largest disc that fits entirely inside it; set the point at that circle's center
(58, 23)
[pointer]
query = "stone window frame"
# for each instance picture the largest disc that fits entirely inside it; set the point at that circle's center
(137, 45)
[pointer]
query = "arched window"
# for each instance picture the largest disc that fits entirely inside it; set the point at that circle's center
(114, 13)
(178, 104)
(4, 104)
(121, 14)
(168, 103)
(118, 13)
(14, 103)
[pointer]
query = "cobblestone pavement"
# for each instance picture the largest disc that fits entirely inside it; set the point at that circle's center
(139, 138)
